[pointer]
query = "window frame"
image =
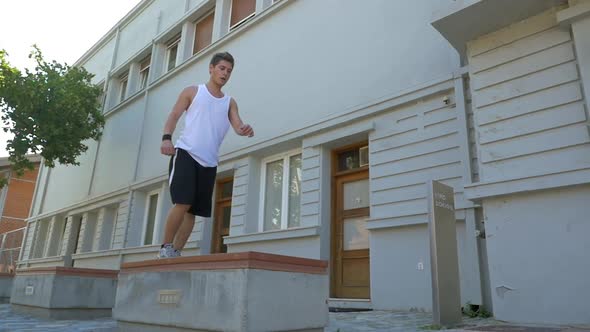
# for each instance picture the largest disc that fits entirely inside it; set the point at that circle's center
(201, 19)
(123, 84)
(285, 156)
(143, 81)
(173, 42)
(156, 229)
(240, 22)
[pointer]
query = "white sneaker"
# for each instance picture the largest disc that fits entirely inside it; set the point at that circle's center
(167, 252)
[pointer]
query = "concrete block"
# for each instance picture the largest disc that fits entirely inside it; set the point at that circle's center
(224, 292)
(65, 288)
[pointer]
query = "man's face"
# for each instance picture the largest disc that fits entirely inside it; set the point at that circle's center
(221, 72)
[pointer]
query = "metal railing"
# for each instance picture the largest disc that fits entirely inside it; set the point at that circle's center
(10, 245)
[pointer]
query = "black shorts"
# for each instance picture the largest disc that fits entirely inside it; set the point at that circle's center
(190, 183)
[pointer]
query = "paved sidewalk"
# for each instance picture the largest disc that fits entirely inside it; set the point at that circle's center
(368, 321)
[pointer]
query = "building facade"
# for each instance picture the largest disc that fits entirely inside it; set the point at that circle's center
(356, 106)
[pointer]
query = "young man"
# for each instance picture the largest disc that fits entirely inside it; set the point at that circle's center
(193, 166)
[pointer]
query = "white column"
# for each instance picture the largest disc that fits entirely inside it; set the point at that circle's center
(221, 19)
(206, 235)
(98, 234)
(133, 79)
(50, 243)
(87, 232)
(68, 246)
(136, 220)
(187, 39)
(164, 205)
(32, 233)
(158, 59)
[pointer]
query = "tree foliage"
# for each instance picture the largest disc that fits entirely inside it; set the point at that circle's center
(51, 110)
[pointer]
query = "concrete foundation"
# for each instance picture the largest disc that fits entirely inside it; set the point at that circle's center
(65, 288)
(5, 286)
(224, 292)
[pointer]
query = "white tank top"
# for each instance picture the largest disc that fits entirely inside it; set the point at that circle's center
(205, 124)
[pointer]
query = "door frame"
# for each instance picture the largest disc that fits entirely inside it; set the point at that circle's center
(220, 203)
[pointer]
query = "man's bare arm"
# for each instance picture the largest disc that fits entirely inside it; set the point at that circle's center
(182, 103)
(234, 118)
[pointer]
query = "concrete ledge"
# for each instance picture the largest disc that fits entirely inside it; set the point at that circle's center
(247, 291)
(69, 271)
(242, 260)
(65, 288)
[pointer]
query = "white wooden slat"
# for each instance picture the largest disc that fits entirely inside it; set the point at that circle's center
(535, 143)
(532, 123)
(551, 57)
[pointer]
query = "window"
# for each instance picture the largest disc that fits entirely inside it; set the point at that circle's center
(241, 11)
(281, 194)
(151, 210)
(350, 159)
(171, 53)
(144, 72)
(203, 33)
(123, 80)
(101, 96)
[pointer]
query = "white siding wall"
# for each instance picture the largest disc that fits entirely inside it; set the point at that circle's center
(310, 186)
(100, 63)
(28, 241)
(410, 146)
(240, 195)
(121, 224)
(530, 119)
(117, 155)
(69, 184)
(529, 109)
(139, 33)
(331, 92)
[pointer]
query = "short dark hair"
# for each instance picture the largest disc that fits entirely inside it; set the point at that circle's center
(222, 56)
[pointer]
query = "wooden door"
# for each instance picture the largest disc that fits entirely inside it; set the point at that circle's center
(351, 271)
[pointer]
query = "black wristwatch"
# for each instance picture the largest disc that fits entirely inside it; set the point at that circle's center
(166, 137)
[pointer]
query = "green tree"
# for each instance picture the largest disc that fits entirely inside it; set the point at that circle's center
(50, 111)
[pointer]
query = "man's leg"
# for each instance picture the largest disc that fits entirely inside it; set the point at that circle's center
(184, 232)
(174, 220)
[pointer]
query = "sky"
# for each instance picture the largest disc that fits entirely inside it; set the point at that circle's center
(63, 29)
